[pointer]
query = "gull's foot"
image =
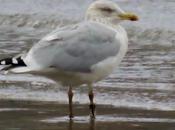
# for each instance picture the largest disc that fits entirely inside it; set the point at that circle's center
(92, 110)
(71, 116)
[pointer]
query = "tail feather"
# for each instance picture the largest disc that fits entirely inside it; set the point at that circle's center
(12, 62)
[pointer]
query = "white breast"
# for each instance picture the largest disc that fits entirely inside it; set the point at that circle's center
(107, 66)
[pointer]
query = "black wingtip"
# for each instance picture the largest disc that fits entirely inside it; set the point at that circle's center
(6, 61)
(12, 62)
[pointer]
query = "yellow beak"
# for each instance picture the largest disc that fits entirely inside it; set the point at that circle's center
(128, 16)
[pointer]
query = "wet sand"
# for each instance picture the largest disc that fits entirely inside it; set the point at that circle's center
(27, 115)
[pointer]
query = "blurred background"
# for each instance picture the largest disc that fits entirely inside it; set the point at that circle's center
(138, 95)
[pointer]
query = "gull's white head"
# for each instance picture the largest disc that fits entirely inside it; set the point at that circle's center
(108, 12)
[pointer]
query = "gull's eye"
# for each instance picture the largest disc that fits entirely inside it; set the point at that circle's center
(106, 9)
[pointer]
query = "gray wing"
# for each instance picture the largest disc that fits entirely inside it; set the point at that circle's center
(76, 48)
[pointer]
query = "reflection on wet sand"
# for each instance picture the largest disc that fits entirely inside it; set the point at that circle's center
(70, 124)
(91, 124)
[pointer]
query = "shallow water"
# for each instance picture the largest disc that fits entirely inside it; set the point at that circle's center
(138, 95)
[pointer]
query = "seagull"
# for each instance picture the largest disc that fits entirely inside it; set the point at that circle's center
(77, 54)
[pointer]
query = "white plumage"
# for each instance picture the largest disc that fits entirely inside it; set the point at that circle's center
(85, 52)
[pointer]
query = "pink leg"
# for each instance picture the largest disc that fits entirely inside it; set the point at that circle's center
(92, 104)
(70, 95)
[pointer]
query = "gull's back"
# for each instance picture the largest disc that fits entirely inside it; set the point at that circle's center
(74, 48)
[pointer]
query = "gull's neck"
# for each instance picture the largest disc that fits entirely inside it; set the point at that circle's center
(104, 22)
(116, 27)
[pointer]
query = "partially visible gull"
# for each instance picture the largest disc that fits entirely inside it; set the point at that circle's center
(83, 53)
